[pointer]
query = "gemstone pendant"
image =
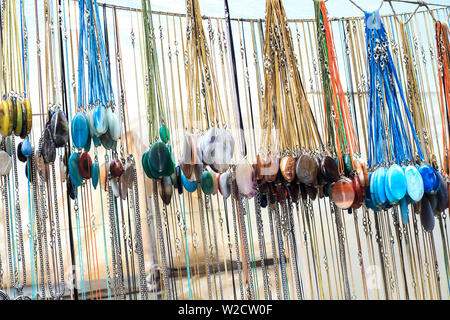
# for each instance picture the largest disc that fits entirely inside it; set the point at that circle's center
(4, 118)
(18, 125)
(107, 141)
(430, 178)
(90, 117)
(287, 168)
(48, 147)
(381, 185)
(191, 155)
(29, 112)
(5, 163)
(20, 155)
(145, 165)
(26, 149)
(80, 130)
(207, 183)
(159, 158)
(359, 193)
(442, 195)
(342, 193)
(59, 129)
(165, 191)
(245, 179)
(116, 168)
(190, 186)
(95, 174)
(426, 215)
(225, 184)
(404, 210)
(114, 126)
(164, 134)
(11, 117)
(396, 182)
(24, 132)
(85, 163)
(96, 141)
(100, 120)
(414, 183)
(71, 189)
(329, 169)
(74, 169)
(178, 182)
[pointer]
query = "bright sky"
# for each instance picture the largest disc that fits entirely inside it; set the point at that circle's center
(256, 8)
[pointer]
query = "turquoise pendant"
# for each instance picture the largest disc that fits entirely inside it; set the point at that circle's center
(95, 174)
(113, 125)
(74, 169)
(390, 198)
(145, 165)
(80, 130)
(100, 121)
(107, 141)
(87, 147)
(159, 158)
(414, 183)
(207, 183)
(381, 194)
(90, 117)
(190, 186)
(27, 150)
(96, 141)
(430, 178)
(396, 182)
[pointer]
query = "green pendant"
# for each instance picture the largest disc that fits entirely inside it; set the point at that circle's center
(159, 158)
(348, 164)
(164, 134)
(145, 165)
(207, 183)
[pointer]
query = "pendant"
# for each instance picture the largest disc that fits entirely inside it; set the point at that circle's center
(85, 164)
(342, 193)
(359, 193)
(225, 184)
(165, 190)
(442, 195)
(107, 141)
(4, 118)
(190, 186)
(306, 169)
(18, 118)
(29, 113)
(24, 131)
(329, 169)
(116, 168)
(71, 189)
(26, 149)
(80, 130)
(114, 126)
(115, 187)
(287, 168)
(100, 121)
(207, 183)
(48, 147)
(404, 210)
(95, 174)
(178, 180)
(430, 178)
(145, 165)
(59, 128)
(159, 159)
(396, 182)
(245, 179)
(5, 163)
(414, 183)
(191, 155)
(90, 117)
(164, 134)
(74, 169)
(426, 215)
(267, 167)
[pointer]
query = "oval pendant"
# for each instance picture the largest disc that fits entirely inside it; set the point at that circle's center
(100, 120)
(20, 155)
(145, 165)
(90, 117)
(329, 169)
(414, 183)
(287, 168)
(342, 193)
(107, 141)
(116, 168)
(85, 164)
(74, 169)
(396, 182)
(159, 158)
(225, 184)
(95, 174)
(267, 167)
(80, 130)
(431, 181)
(191, 155)
(190, 186)
(165, 190)
(306, 169)
(11, 117)
(29, 112)
(404, 210)
(5, 163)
(381, 185)
(245, 179)
(426, 215)
(59, 128)
(48, 147)
(359, 193)
(27, 149)
(207, 183)
(442, 195)
(114, 126)
(164, 133)
(96, 141)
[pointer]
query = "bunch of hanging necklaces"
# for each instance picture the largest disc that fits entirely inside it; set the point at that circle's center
(15, 120)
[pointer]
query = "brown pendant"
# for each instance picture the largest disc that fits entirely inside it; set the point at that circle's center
(85, 165)
(104, 176)
(267, 167)
(329, 169)
(116, 168)
(312, 192)
(342, 193)
(287, 168)
(359, 193)
(306, 169)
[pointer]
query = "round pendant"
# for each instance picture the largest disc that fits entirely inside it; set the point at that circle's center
(287, 168)
(85, 164)
(100, 120)
(414, 183)
(396, 182)
(306, 169)
(74, 169)
(329, 169)
(5, 163)
(245, 179)
(80, 130)
(430, 178)
(426, 215)
(116, 168)
(342, 193)
(59, 129)
(165, 191)
(159, 158)
(207, 183)
(190, 186)
(95, 174)
(27, 149)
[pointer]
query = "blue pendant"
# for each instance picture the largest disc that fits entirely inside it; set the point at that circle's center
(190, 186)
(396, 182)
(100, 121)
(87, 147)
(414, 183)
(426, 215)
(113, 124)
(95, 174)
(96, 141)
(430, 178)
(442, 195)
(390, 198)
(404, 210)
(90, 117)
(380, 194)
(74, 169)
(27, 150)
(80, 130)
